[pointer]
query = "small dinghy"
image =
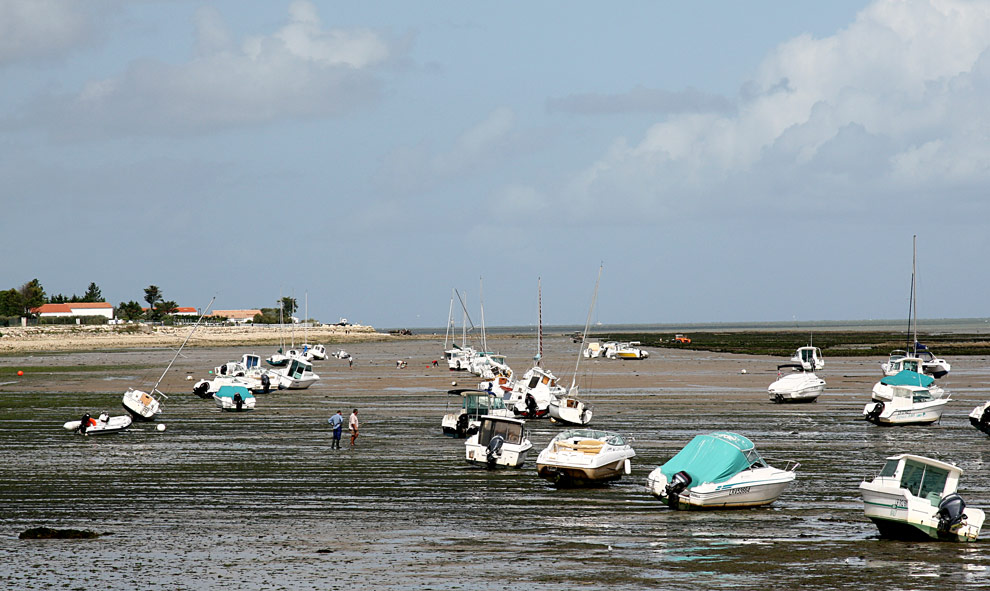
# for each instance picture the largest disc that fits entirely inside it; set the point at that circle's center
(102, 425)
(719, 471)
(234, 398)
(499, 441)
(915, 498)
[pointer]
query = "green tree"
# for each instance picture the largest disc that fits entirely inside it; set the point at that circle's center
(164, 308)
(129, 311)
(289, 306)
(58, 299)
(32, 295)
(153, 295)
(93, 294)
(11, 303)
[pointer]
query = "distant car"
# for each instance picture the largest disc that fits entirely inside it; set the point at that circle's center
(679, 338)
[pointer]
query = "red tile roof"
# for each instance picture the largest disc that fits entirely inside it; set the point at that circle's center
(67, 308)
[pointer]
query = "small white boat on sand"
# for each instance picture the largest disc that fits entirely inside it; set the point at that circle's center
(585, 456)
(980, 417)
(474, 405)
(234, 398)
(627, 351)
(810, 358)
(909, 405)
(883, 390)
(720, 470)
(499, 441)
(795, 384)
(915, 498)
(103, 425)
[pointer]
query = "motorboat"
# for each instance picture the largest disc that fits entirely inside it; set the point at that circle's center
(279, 359)
(531, 396)
(884, 389)
(146, 406)
(909, 405)
(102, 425)
(930, 364)
(810, 358)
(630, 350)
(298, 375)
(498, 441)
(980, 417)
(459, 358)
(915, 498)
(257, 385)
(795, 384)
(585, 456)
(720, 470)
(593, 349)
(474, 405)
(341, 354)
(901, 361)
(570, 409)
(234, 398)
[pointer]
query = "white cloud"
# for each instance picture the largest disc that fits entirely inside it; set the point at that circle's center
(300, 70)
(888, 107)
(42, 29)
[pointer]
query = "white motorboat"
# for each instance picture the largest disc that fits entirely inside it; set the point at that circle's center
(930, 364)
(531, 396)
(909, 405)
(234, 398)
(720, 470)
(585, 456)
(257, 385)
(474, 405)
(915, 498)
(810, 358)
(630, 350)
(498, 441)
(103, 425)
(901, 361)
(298, 375)
(593, 349)
(884, 389)
(341, 354)
(146, 406)
(795, 384)
(980, 417)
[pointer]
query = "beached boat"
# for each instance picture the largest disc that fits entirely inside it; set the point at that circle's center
(146, 406)
(585, 456)
(474, 405)
(569, 408)
(899, 361)
(795, 384)
(915, 498)
(883, 390)
(720, 470)
(257, 385)
(980, 417)
(298, 375)
(627, 351)
(341, 354)
(930, 364)
(593, 349)
(102, 425)
(909, 405)
(498, 441)
(234, 398)
(810, 358)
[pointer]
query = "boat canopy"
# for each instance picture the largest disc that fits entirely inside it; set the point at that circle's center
(715, 457)
(230, 391)
(908, 378)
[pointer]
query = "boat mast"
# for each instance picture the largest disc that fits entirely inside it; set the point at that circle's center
(450, 320)
(195, 326)
(481, 292)
(539, 319)
(914, 290)
(594, 298)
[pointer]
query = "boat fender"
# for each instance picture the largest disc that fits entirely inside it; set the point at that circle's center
(950, 514)
(875, 412)
(494, 451)
(627, 467)
(678, 483)
(266, 383)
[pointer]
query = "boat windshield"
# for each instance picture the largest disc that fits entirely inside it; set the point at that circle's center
(480, 404)
(909, 364)
(606, 436)
(889, 469)
(921, 480)
(511, 432)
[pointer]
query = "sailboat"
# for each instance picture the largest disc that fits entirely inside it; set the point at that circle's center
(569, 408)
(916, 357)
(531, 396)
(311, 352)
(145, 406)
(280, 359)
(458, 357)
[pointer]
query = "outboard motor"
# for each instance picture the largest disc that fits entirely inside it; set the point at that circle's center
(202, 389)
(950, 514)
(238, 401)
(530, 406)
(875, 412)
(678, 483)
(494, 451)
(84, 423)
(462, 425)
(266, 383)
(985, 421)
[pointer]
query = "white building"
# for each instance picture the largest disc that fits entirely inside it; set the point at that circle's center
(74, 309)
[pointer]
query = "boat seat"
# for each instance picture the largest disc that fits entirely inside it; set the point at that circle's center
(587, 446)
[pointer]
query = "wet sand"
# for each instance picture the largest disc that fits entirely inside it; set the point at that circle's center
(259, 501)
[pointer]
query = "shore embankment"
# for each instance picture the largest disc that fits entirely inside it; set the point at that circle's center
(39, 339)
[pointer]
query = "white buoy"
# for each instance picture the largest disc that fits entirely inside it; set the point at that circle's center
(743, 371)
(188, 378)
(453, 383)
(160, 427)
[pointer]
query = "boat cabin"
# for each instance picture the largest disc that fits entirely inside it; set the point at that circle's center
(297, 368)
(922, 477)
(541, 377)
(911, 395)
(810, 357)
(906, 363)
(511, 430)
(476, 403)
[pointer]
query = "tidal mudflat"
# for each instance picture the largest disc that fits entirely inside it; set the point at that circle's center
(259, 500)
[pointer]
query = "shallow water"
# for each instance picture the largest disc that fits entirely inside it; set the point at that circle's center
(259, 501)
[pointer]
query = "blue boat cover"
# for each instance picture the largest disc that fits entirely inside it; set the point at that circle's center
(908, 378)
(229, 391)
(713, 458)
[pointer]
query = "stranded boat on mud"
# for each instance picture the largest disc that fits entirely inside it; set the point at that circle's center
(499, 441)
(914, 498)
(585, 456)
(234, 398)
(104, 425)
(719, 470)
(909, 405)
(796, 385)
(474, 405)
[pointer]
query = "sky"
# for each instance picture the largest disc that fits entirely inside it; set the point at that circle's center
(722, 161)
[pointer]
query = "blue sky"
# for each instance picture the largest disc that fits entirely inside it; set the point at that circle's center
(725, 161)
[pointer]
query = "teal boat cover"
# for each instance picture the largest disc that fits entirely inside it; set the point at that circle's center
(908, 378)
(715, 457)
(229, 391)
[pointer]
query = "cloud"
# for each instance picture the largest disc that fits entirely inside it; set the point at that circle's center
(641, 100)
(43, 29)
(300, 71)
(888, 110)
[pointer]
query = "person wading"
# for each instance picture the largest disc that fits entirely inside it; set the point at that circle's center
(337, 422)
(353, 424)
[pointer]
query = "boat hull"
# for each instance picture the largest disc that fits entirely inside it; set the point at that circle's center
(915, 415)
(755, 488)
(141, 405)
(900, 517)
(512, 456)
(570, 411)
(563, 474)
